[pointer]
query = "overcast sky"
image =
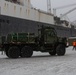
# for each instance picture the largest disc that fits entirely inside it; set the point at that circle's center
(42, 4)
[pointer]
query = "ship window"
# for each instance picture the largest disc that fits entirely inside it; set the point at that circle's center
(28, 1)
(20, 10)
(26, 10)
(8, 21)
(14, 8)
(5, 6)
(0, 20)
(38, 25)
(3, 20)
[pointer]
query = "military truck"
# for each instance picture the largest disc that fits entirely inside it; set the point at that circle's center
(23, 44)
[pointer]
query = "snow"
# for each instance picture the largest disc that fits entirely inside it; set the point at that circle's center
(40, 64)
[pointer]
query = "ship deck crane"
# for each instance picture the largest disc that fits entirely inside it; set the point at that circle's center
(61, 7)
(65, 15)
(62, 15)
(49, 6)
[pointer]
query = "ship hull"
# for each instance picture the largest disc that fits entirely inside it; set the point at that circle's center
(17, 25)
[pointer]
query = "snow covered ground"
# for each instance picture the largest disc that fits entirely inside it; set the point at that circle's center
(40, 64)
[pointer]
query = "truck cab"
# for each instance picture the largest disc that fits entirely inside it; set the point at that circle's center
(50, 42)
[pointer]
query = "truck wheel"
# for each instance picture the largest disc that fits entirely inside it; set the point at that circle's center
(52, 53)
(60, 50)
(6, 50)
(26, 52)
(13, 52)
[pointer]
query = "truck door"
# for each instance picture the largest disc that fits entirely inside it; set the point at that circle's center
(50, 36)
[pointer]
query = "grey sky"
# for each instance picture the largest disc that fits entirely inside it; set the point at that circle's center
(42, 4)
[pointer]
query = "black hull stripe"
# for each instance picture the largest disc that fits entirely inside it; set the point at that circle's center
(15, 25)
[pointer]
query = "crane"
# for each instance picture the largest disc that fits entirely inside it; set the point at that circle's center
(49, 6)
(65, 15)
(67, 12)
(61, 7)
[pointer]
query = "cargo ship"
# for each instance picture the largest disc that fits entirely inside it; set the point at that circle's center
(17, 16)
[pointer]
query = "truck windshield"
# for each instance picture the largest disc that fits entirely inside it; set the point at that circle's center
(50, 32)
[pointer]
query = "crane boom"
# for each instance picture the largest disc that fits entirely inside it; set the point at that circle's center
(66, 6)
(67, 12)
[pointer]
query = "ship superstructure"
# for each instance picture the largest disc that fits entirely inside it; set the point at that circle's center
(23, 9)
(20, 16)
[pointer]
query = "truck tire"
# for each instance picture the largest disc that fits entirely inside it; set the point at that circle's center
(26, 52)
(6, 51)
(13, 52)
(52, 53)
(60, 50)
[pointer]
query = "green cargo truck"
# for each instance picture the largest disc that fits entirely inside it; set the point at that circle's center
(23, 44)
